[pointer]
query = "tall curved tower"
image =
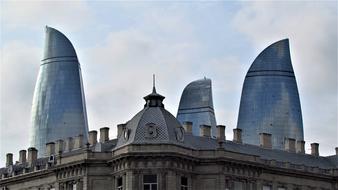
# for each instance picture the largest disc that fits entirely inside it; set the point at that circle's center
(270, 101)
(196, 106)
(59, 109)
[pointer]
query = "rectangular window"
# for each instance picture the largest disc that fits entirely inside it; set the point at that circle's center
(238, 185)
(119, 183)
(281, 188)
(267, 187)
(184, 183)
(150, 182)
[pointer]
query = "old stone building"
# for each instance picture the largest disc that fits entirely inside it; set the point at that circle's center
(154, 152)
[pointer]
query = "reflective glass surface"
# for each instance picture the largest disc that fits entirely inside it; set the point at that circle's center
(58, 109)
(270, 101)
(196, 106)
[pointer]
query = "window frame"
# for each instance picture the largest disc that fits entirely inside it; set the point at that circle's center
(119, 187)
(150, 183)
(184, 186)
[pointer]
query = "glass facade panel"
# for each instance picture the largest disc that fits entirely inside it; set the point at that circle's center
(270, 101)
(58, 109)
(196, 106)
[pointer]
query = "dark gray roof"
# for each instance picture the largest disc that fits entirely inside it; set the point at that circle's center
(152, 125)
(204, 143)
(164, 122)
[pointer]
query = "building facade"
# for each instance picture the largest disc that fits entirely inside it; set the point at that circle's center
(270, 100)
(58, 109)
(196, 105)
(154, 152)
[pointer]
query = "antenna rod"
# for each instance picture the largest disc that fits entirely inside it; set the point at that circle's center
(154, 80)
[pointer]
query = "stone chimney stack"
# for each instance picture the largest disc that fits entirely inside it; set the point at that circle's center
(237, 135)
(265, 140)
(187, 125)
(69, 144)
(205, 130)
(78, 142)
(290, 144)
(120, 128)
(336, 151)
(92, 137)
(22, 156)
(59, 146)
(315, 149)
(220, 132)
(32, 155)
(104, 134)
(301, 147)
(50, 148)
(9, 159)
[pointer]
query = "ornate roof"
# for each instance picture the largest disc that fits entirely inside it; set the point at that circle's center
(152, 125)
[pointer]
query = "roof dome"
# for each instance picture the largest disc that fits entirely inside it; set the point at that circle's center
(152, 125)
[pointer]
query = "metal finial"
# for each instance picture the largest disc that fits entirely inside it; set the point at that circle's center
(154, 80)
(154, 89)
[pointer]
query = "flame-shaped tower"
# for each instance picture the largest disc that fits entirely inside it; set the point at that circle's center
(196, 106)
(59, 109)
(270, 100)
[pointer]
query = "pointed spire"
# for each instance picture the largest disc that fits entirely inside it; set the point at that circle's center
(154, 99)
(154, 89)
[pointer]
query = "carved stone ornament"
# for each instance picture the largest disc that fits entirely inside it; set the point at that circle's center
(126, 134)
(151, 130)
(179, 134)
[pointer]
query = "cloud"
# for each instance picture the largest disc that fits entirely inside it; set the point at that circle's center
(19, 66)
(33, 14)
(127, 59)
(312, 30)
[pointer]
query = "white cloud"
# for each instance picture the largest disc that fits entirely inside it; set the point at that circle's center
(72, 15)
(19, 67)
(312, 30)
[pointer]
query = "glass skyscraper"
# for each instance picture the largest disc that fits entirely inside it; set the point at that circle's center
(58, 109)
(196, 106)
(270, 101)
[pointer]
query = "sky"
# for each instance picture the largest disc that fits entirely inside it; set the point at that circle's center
(121, 44)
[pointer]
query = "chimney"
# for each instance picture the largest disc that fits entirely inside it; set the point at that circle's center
(301, 147)
(120, 128)
(237, 135)
(92, 137)
(265, 140)
(314, 149)
(104, 134)
(336, 151)
(290, 144)
(22, 156)
(69, 144)
(9, 159)
(220, 132)
(32, 155)
(59, 146)
(50, 148)
(205, 130)
(78, 142)
(187, 125)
